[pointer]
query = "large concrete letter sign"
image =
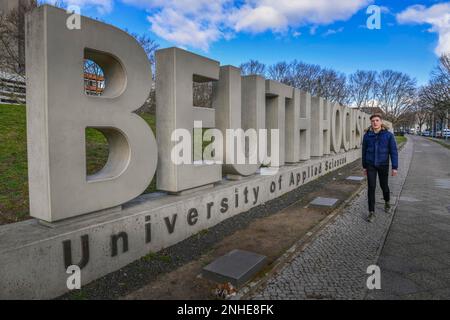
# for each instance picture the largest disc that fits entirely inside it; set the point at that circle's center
(292, 123)
(305, 126)
(253, 102)
(59, 112)
(365, 121)
(336, 127)
(34, 258)
(320, 127)
(358, 128)
(276, 96)
(326, 128)
(346, 128)
(176, 71)
(227, 102)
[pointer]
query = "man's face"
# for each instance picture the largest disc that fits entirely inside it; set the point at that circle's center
(376, 123)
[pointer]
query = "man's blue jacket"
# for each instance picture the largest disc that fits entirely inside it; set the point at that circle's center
(377, 147)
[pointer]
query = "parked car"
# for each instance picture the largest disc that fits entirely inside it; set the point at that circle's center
(446, 133)
(426, 133)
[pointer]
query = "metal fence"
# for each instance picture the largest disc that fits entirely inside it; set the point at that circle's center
(12, 89)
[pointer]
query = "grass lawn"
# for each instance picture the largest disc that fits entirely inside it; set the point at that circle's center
(400, 139)
(441, 142)
(13, 161)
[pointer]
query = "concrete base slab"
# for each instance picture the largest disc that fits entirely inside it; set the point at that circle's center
(236, 267)
(191, 191)
(326, 202)
(269, 171)
(234, 177)
(80, 219)
(291, 163)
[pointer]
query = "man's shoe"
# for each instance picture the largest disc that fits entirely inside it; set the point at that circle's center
(371, 216)
(387, 207)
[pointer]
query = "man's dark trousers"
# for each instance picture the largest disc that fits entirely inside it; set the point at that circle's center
(383, 175)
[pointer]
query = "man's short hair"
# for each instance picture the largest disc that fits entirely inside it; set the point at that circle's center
(376, 115)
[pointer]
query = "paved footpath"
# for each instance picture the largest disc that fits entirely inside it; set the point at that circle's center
(334, 264)
(415, 261)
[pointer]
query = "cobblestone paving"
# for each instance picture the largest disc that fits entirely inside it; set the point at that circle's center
(334, 264)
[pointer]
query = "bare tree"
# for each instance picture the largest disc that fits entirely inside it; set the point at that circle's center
(332, 85)
(396, 94)
(253, 67)
(281, 72)
(12, 38)
(94, 78)
(305, 76)
(149, 45)
(443, 69)
(436, 94)
(12, 51)
(362, 88)
(326, 83)
(420, 111)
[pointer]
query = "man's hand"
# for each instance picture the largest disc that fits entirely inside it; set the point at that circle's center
(365, 172)
(394, 172)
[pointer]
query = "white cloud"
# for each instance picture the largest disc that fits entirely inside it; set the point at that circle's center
(332, 31)
(297, 13)
(260, 19)
(199, 23)
(187, 23)
(385, 10)
(180, 29)
(438, 16)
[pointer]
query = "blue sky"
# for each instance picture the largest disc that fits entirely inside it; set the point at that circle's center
(325, 32)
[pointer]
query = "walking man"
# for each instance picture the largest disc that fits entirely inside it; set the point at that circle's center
(378, 146)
